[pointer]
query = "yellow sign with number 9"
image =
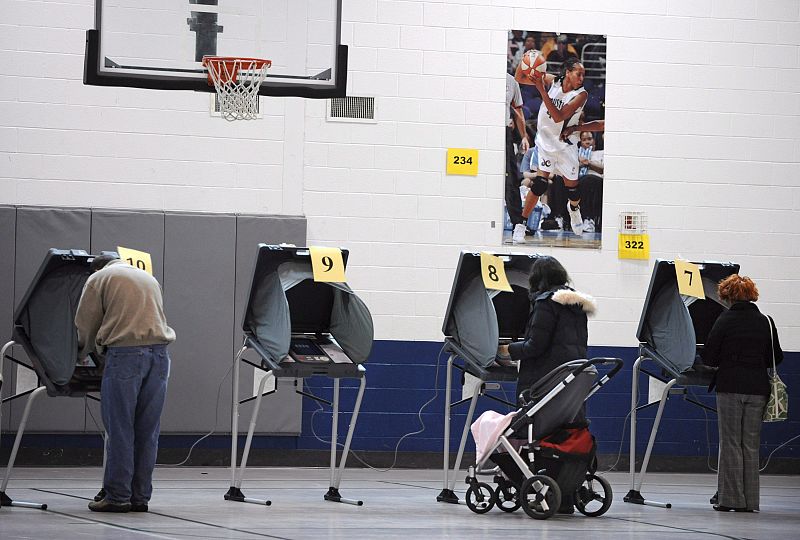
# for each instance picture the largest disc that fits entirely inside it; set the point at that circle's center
(327, 264)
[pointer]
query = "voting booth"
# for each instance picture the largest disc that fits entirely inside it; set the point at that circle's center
(44, 325)
(672, 330)
(300, 326)
(478, 319)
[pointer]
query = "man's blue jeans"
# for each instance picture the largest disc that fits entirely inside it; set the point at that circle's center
(132, 397)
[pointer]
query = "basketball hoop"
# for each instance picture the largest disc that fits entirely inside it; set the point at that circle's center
(237, 81)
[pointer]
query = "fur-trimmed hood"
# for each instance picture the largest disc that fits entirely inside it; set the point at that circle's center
(569, 297)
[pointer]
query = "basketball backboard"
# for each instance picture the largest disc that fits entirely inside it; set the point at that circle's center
(160, 44)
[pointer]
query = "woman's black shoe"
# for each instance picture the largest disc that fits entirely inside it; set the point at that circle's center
(720, 508)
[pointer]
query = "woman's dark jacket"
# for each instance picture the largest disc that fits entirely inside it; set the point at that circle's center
(739, 345)
(557, 333)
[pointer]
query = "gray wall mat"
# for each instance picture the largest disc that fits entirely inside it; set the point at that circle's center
(8, 222)
(204, 262)
(39, 229)
(282, 411)
(199, 265)
(142, 231)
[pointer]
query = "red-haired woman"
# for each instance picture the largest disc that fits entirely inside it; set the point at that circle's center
(741, 346)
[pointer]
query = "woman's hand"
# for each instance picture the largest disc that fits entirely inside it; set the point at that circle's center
(502, 350)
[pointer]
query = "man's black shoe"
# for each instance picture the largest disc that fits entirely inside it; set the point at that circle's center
(107, 506)
(139, 507)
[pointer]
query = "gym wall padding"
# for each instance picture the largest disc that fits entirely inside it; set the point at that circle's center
(8, 218)
(37, 230)
(204, 263)
(250, 232)
(143, 231)
(200, 257)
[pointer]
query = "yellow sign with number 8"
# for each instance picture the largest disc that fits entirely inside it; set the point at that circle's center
(493, 271)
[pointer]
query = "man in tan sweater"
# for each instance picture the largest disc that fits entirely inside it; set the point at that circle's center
(121, 313)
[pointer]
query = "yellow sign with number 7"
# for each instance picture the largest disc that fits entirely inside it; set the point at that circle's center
(690, 283)
(327, 264)
(493, 271)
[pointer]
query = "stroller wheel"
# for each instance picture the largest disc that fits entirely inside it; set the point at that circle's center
(480, 497)
(540, 496)
(593, 497)
(507, 497)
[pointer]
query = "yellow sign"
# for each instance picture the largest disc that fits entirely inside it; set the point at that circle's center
(462, 161)
(690, 283)
(493, 272)
(327, 264)
(634, 246)
(138, 259)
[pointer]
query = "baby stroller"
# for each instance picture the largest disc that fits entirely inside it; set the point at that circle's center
(556, 457)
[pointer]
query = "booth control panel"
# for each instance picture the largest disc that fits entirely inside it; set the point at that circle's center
(307, 351)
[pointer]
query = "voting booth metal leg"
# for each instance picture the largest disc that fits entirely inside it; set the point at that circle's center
(2, 359)
(448, 494)
(336, 475)
(5, 500)
(234, 492)
(634, 496)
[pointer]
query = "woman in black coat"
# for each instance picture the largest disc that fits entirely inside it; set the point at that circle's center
(740, 345)
(557, 330)
(557, 327)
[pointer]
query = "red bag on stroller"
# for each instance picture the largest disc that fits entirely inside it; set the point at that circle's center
(567, 455)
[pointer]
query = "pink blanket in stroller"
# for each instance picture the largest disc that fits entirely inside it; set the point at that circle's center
(487, 429)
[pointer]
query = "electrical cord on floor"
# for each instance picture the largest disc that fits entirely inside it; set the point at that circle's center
(621, 441)
(409, 434)
(775, 450)
(708, 442)
(191, 448)
(213, 429)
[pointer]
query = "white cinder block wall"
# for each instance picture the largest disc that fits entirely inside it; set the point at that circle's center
(703, 134)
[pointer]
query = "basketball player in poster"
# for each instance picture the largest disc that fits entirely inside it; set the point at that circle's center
(563, 99)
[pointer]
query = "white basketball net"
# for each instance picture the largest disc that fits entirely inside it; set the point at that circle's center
(237, 81)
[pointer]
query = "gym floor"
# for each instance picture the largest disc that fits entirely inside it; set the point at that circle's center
(188, 503)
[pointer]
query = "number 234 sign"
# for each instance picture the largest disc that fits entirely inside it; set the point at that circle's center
(462, 161)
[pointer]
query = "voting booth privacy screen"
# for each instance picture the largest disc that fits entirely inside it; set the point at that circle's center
(44, 324)
(477, 318)
(285, 300)
(673, 326)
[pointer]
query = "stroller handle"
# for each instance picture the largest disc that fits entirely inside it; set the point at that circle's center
(578, 366)
(601, 361)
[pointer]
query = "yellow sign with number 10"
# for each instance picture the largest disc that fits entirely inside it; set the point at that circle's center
(493, 271)
(327, 264)
(137, 259)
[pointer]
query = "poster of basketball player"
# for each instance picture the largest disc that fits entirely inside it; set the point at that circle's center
(555, 120)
